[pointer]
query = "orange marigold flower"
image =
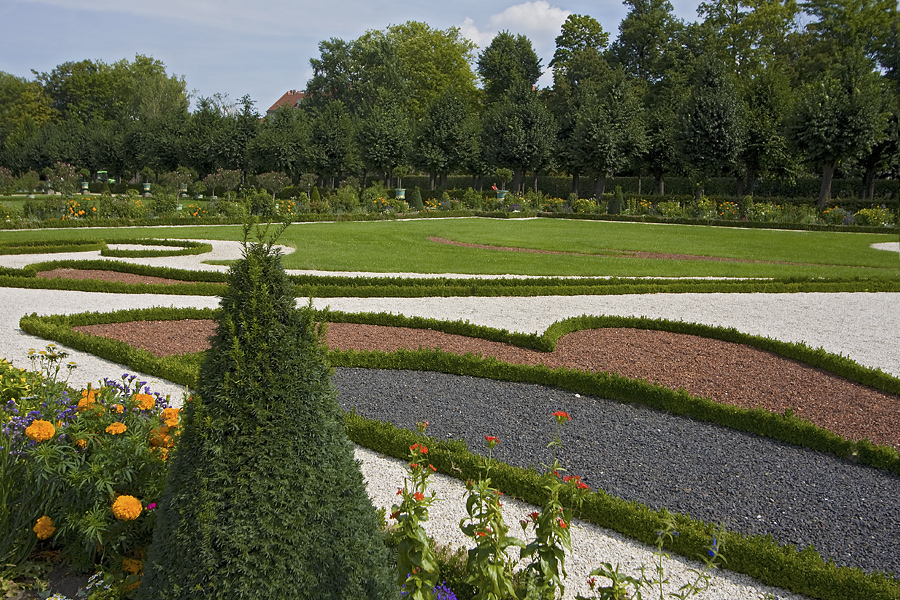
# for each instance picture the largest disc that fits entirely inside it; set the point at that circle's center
(81, 443)
(88, 399)
(127, 508)
(170, 416)
(118, 408)
(159, 438)
(163, 453)
(132, 565)
(144, 401)
(40, 430)
(116, 428)
(44, 527)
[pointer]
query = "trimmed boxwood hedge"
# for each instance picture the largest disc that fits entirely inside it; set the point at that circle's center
(187, 247)
(801, 571)
(324, 286)
(50, 247)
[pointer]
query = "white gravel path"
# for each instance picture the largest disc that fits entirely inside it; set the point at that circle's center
(865, 327)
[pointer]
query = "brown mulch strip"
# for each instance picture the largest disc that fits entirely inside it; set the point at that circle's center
(722, 371)
(102, 275)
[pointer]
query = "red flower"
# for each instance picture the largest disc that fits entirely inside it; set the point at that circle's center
(562, 523)
(413, 447)
(491, 438)
(399, 491)
(432, 468)
(534, 516)
(562, 416)
(423, 450)
(583, 486)
(418, 497)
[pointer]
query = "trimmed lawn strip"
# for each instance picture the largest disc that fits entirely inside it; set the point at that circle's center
(758, 556)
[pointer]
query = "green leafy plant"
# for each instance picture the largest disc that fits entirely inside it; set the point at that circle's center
(417, 567)
(490, 569)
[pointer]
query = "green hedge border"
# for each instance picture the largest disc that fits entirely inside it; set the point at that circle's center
(391, 216)
(187, 248)
(801, 571)
(47, 247)
(325, 286)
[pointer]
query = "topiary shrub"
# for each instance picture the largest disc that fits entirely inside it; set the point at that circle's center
(264, 498)
(415, 199)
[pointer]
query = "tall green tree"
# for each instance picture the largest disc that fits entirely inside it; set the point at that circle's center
(646, 37)
(508, 62)
(766, 149)
(384, 135)
(518, 132)
(750, 35)
(711, 121)
(610, 131)
(447, 138)
(264, 498)
(332, 151)
(579, 69)
(840, 117)
(414, 61)
(433, 61)
(280, 142)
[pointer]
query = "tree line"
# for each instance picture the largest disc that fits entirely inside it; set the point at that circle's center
(753, 89)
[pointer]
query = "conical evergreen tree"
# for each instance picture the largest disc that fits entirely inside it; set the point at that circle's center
(264, 498)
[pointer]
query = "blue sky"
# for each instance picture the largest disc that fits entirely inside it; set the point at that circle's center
(262, 47)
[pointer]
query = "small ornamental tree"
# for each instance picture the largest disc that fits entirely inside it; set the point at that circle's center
(264, 498)
(274, 182)
(63, 178)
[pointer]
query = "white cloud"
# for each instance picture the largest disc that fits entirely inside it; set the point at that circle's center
(537, 20)
(531, 18)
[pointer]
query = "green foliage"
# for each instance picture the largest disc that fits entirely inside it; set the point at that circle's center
(874, 217)
(264, 498)
(415, 199)
(508, 62)
(31, 247)
(187, 248)
(759, 557)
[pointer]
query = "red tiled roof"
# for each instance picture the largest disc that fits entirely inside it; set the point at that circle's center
(290, 98)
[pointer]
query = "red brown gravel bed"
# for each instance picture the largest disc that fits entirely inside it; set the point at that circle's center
(104, 276)
(722, 371)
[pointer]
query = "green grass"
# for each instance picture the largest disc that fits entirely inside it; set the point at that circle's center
(389, 246)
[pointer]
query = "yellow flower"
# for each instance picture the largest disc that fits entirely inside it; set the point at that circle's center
(132, 566)
(116, 428)
(170, 416)
(127, 508)
(44, 527)
(118, 408)
(81, 443)
(40, 430)
(144, 401)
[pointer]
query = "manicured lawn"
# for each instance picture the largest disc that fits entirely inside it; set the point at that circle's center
(593, 248)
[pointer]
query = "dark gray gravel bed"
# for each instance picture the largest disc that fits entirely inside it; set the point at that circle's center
(848, 512)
